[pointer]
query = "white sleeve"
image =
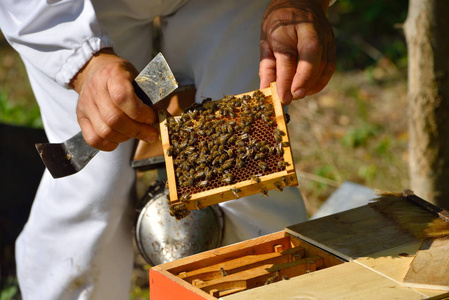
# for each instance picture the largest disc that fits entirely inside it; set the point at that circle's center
(56, 36)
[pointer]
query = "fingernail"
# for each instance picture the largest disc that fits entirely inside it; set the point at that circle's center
(151, 138)
(299, 93)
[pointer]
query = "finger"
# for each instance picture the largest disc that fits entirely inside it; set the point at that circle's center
(91, 137)
(315, 79)
(329, 69)
(98, 115)
(285, 71)
(267, 66)
(116, 126)
(123, 96)
(308, 68)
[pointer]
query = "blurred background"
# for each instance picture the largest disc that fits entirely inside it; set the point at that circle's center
(354, 130)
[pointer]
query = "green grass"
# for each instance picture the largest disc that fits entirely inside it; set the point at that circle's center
(19, 112)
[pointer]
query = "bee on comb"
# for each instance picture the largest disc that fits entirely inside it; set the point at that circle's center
(227, 149)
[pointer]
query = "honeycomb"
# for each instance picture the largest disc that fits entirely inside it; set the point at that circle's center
(219, 143)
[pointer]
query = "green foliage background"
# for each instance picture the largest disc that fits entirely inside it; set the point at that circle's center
(365, 30)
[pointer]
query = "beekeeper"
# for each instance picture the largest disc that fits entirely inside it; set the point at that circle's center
(81, 57)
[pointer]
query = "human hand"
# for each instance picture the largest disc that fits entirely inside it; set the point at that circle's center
(108, 110)
(297, 48)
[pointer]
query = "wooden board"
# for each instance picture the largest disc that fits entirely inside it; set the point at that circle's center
(430, 267)
(345, 281)
(352, 234)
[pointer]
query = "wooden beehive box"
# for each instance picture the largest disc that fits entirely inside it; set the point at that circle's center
(356, 254)
(227, 149)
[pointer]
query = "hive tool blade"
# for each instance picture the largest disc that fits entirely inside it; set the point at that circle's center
(154, 83)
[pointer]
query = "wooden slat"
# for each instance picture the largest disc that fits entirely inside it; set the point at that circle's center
(430, 267)
(282, 125)
(238, 264)
(247, 187)
(263, 274)
(263, 244)
(171, 178)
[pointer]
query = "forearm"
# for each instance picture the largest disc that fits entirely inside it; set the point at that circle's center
(58, 39)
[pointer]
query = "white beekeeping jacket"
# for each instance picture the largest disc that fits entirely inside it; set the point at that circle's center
(59, 37)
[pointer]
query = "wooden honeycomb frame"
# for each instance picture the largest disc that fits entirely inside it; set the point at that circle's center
(247, 187)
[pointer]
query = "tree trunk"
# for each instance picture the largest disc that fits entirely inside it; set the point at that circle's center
(427, 34)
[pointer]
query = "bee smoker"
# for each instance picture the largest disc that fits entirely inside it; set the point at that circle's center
(161, 238)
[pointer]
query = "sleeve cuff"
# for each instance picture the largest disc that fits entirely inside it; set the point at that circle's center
(79, 58)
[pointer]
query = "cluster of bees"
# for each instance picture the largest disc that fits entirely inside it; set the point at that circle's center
(218, 143)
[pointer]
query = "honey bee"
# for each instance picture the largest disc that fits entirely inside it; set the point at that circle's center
(223, 158)
(198, 205)
(188, 182)
(279, 132)
(185, 197)
(272, 278)
(199, 175)
(264, 191)
(179, 211)
(232, 139)
(240, 143)
(216, 161)
(203, 184)
(278, 186)
(236, 191)
(239, 163)
(205, 100)
(284, 181)
(264, 149)
(228, 164)
(209, 173)
(223, 272)
(260, 155)
(244, 136)
(255, 178)
(223, 139)
(279, 149)
(228, 178)
(283, 164)
(183, 144)
(246, 129)
(278, 137)
(263, 166)
(170, 151)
